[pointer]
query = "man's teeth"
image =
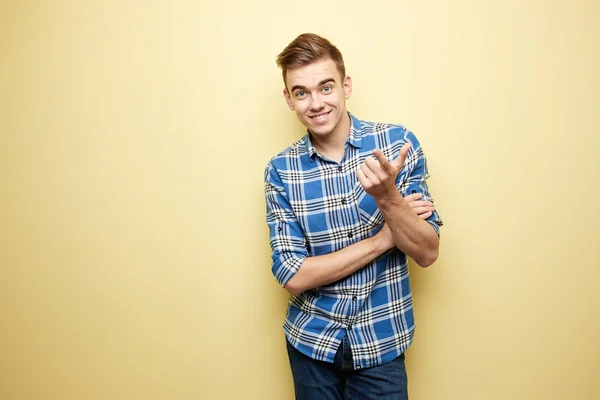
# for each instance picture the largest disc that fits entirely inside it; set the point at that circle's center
(320, 116)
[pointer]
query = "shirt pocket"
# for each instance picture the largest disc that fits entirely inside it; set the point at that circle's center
(368, 211)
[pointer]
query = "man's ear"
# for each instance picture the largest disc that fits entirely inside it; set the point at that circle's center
(288, 99)
(347, 87)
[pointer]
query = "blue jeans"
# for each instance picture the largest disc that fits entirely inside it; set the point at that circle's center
(319, 380)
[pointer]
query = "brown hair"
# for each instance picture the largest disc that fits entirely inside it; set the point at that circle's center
(306, 49)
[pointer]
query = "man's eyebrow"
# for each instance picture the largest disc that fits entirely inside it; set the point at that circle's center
(324, 81)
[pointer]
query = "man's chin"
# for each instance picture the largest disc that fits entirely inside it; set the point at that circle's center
(320, 132)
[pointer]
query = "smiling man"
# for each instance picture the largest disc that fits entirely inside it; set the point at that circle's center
(346, 205)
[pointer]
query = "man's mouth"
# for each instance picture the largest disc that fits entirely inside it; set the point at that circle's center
(320, 116)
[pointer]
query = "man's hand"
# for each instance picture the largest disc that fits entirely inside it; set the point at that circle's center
(423, 208)
(378, 176)
(411, 234)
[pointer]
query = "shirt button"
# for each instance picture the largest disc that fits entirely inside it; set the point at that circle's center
(344, 201)
(278, 229)
(357, 366)
(349, 234)
(340, 168)
(349, 326)
(354, 298)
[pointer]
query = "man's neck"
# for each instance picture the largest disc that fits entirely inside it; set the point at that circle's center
(333, 145)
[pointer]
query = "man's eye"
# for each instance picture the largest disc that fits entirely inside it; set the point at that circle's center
(300, 93)
(327, 89)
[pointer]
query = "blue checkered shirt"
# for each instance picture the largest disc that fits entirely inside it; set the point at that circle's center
(316, 206)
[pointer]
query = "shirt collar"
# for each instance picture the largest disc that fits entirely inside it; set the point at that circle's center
(354, 138)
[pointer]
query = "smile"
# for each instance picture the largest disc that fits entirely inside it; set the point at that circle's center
(320, 116)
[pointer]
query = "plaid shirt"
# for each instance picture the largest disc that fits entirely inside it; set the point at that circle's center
(316, 206)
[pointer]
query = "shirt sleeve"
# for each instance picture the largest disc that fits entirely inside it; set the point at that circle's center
(286, 236)
(413, 178)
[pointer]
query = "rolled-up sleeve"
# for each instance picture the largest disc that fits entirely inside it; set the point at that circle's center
(287, 239)
(413, 178)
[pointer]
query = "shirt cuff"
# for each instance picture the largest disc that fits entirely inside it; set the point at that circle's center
(435, 226)
(287, 269)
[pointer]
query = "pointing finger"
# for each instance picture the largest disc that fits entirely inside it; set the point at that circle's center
(375, 167)
(383, 161)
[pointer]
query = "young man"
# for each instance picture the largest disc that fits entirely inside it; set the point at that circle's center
(346, 204)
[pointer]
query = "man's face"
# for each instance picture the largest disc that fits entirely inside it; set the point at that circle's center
(317, 93)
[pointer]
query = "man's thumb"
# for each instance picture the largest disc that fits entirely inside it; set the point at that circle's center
(399, 161)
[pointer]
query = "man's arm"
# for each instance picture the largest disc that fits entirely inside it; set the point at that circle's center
(292, 266)
(321, 270)
(415, 237)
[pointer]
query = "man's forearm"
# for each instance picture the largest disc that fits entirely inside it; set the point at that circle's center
(321, 270)
(411, 234)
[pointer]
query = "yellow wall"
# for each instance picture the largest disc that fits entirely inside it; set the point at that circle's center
(133, 137)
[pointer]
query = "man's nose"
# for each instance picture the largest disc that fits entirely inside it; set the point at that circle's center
(316, 102)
